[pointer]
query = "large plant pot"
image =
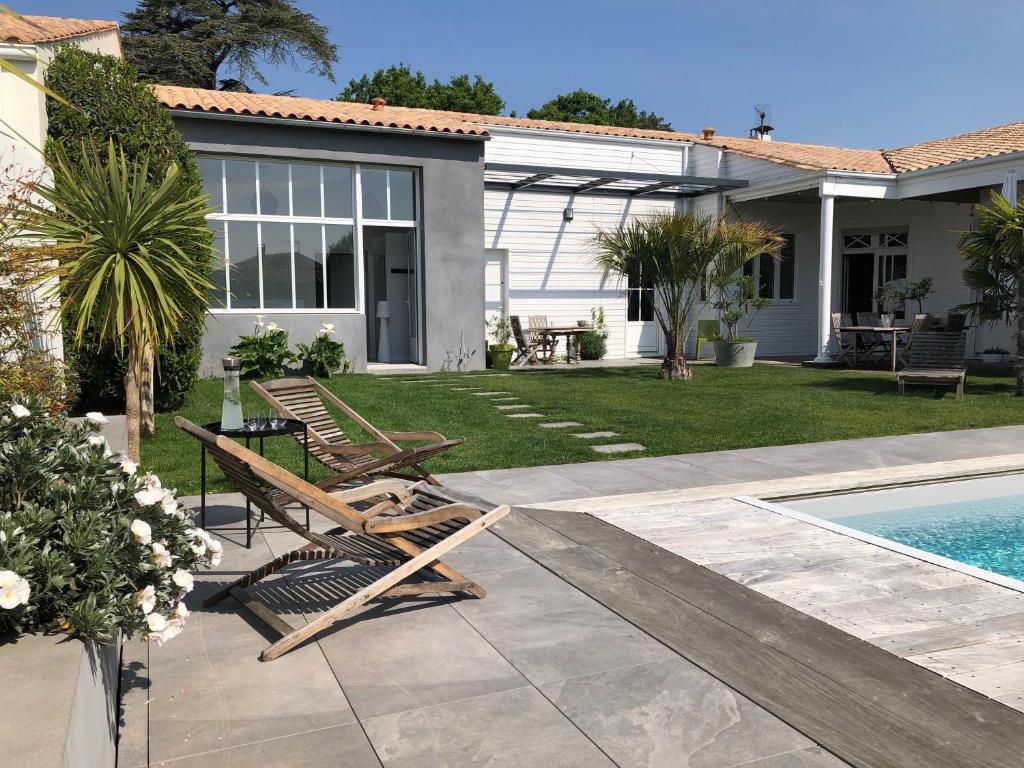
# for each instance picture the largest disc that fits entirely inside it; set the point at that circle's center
(501, 356)
(735, 354)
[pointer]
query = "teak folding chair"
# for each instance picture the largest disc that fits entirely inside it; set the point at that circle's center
(527, 349)
(303, 399)
(936, 358)
(399, 538)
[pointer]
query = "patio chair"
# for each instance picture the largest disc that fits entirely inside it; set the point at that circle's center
(527, 349)
(919, 324)
(548, 344)
(936, 357)
(847, 341)
(956, 322)
(873, 344)
(303, 399)
(399, 537)
(707, 330)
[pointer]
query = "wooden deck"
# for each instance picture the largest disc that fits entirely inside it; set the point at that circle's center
(864, 704)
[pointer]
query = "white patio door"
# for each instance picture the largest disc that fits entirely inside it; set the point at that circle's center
(641, 327)
(496, 283)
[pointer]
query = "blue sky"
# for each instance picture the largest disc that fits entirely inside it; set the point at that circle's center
(860, 73)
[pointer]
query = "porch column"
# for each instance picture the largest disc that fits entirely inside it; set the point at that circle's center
(825, 342)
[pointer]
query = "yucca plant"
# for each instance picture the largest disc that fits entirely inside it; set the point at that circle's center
(681, 256)
(129, 248)
(995, 269)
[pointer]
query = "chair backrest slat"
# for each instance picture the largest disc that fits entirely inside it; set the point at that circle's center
(935, 349)
(517, 332)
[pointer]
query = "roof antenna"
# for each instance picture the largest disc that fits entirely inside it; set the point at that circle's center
(762, 131)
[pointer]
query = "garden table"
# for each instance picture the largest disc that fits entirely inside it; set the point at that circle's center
(891, 330)
(261, 429)
(572, 338)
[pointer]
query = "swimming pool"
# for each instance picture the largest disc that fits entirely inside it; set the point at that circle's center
(976, 522)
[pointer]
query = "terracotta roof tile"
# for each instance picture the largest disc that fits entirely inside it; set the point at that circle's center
(989, 142)
(319, 110)
(46, 29)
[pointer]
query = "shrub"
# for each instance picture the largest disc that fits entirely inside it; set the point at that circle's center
(110, 103)
(593, 346)
(88, 546)
(264, 352)
(325, 355)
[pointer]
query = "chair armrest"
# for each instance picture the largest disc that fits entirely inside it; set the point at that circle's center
(399, 523)
(394, 488)
(354, 449)
(414, 436)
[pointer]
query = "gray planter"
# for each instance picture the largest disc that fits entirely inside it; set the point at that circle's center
(739, 354)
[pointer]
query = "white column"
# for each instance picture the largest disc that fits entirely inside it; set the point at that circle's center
(825, 343)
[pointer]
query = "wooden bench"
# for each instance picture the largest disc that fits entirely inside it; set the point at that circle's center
(935, 358)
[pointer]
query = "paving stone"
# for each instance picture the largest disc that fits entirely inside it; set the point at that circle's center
(618, 448)
(525, 415)
(511, 407)
(490, 394)
(464, 389)
(504, 399)
(595, 435)
(561, 424)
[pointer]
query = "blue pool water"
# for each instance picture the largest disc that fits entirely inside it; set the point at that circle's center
(987, 533)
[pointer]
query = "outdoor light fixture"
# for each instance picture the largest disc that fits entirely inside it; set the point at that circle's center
(567, 213)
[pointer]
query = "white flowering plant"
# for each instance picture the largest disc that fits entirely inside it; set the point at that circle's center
(325, 355)
(89, 545)
(264, 352)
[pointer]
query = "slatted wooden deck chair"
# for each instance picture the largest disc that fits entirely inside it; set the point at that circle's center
(527, 349)
(399, 536)
(921, 322)
(847, 341)
(303, 399)
(936, 358)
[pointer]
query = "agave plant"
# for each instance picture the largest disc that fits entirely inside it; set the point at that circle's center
(682, 256)
(128, 264)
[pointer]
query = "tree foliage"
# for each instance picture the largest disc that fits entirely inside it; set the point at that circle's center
(401, 87)
(188, 42)
(586, 107)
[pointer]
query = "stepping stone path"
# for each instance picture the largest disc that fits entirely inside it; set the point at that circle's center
(511, 407)
(524, 415)
(490, 394)
(594, 435)
(503, 399)
(464, 389)
(618, 448)
(561, 424)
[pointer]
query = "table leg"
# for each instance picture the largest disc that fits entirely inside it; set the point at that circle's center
(894, 351)
(305, 462)
(248, 513)
(856, 343)
(202, 486)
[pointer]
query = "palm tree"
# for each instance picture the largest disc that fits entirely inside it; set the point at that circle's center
(677, 254)
(995, 269)
(130, 250)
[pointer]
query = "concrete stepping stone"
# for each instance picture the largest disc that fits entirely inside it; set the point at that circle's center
(525, 415)
(420, 381)
(464, 389)
(618, 448)
(595, 435)
(511, 407)
(561, 424)
(504, 399)
(490, 394)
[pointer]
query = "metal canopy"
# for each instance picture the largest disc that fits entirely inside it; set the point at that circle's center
(591, 181)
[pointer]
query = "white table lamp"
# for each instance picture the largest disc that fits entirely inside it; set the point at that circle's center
(383, 335)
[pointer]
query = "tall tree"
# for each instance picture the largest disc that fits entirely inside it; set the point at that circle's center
(188, 42)
(401, 87)
(586, 107)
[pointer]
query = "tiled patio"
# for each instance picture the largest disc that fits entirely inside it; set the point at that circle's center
(536, 674)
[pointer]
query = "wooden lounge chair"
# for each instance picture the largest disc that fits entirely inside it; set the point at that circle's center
(527, 349)
(399, 537)
(847, 341)
(936, 358)
(303, 399)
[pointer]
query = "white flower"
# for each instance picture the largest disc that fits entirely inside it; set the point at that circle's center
(168, 503)
(271, 327)
(156, 622)
(149, 497)
(169, 632)
(150, 480)
(181, 611)
(20, 411)
(14, 590)
(141, 531)
(198, 547)
(3, 537)
(96, 419)
(128, 466)
(216, 550)
(183, 579)
(146, 599)
(160, 555)
(97, 440)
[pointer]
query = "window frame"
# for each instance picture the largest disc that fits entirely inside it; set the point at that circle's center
(356, 221)
(776, 273)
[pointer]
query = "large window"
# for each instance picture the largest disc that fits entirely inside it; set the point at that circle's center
(775, 278)
(285, 234)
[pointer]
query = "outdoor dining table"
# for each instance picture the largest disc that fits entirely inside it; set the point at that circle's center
(572, 338)
(891, 330)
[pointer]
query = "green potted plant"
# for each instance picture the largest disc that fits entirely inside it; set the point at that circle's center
(918, 292)
(264, 352)
(995, 355)
(500, 329)
(888, 296)
(594, 341)
(736, 298)
(325, 355)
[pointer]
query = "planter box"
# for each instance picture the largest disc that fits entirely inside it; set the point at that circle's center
(738, 354)
(59, 699)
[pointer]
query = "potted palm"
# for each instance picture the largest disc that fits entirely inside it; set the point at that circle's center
(500, 352)
(888, 297)
(736, 298)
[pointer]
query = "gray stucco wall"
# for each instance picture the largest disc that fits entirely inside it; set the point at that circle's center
(452, 228)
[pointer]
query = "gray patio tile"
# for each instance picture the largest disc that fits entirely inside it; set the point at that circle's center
(812, 757)
(476, 559)
(525, 415)
(523, 485)
(667, 470)
(731, 466)
(618, 448)
(345, 745)
(512, 407)
(595, 435)
(561, 424)
(608, 478)
(491, 393)
(510, 729)
(668, 714)
(417, 653)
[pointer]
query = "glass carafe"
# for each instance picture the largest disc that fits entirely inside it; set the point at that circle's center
(231, 410)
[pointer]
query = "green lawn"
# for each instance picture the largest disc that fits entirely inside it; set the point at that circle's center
(720, 409)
